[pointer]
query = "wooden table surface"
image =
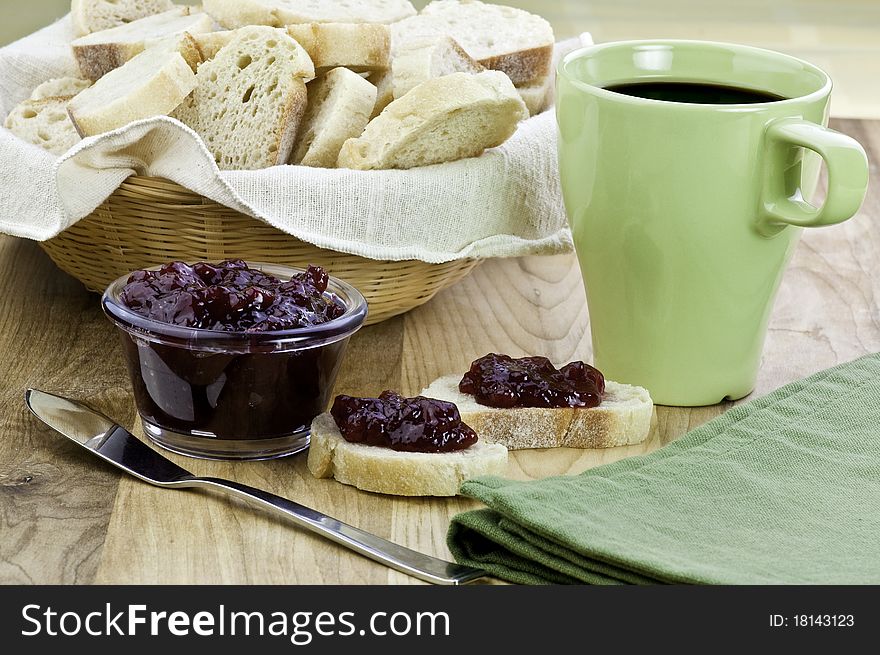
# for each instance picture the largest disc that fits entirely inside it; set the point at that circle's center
(65, 517)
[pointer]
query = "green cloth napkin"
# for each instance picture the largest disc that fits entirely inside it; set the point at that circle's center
(782, 489)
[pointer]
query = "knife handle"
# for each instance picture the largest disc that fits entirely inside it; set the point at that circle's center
(400, 558)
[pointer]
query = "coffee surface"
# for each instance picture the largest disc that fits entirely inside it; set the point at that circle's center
(694, 93)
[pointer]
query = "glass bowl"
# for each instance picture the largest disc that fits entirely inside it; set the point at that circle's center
(233, 395)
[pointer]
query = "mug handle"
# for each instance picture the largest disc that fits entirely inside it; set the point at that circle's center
(847, 167)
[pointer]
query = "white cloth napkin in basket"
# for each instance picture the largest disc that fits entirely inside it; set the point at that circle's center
(504, 203)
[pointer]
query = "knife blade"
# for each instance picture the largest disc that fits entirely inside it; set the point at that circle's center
(116, 445)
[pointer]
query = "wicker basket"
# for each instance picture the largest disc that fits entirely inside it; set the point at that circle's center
(148, 221)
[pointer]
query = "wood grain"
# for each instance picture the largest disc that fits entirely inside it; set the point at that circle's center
(55, 502)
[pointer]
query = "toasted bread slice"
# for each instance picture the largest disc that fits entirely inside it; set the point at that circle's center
(250, 99)
(90, 16)
(357, 46)
(153, 83)
(623, 418)
(278, 13)
(444, 119)
(100, 52)
(340, 104)
(502, 38)
(386, 471)
(422, 61)
(45, 123)
(59, 87)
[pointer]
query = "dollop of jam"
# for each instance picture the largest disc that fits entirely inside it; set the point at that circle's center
(230, 296)
(502, 381)
(419, 424)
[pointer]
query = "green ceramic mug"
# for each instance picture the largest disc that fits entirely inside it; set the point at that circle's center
(684, 215)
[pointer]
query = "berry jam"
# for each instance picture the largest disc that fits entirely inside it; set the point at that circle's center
(230, 296)
(257, 362)
(419, 424)
(502, 381)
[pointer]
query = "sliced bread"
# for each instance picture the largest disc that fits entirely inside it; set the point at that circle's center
(185, 44)
(502, 38)
(536, 97)
(384, 83)
(385, 471)
(444, 119)
(209, 43)
(339, 108)
(623, 418)
(100, 52)
(358, 46)
(44, 123)
(238, 13)
(151, 84)
(249, 99)
(90, 16)
(59, 87)
(422, 61)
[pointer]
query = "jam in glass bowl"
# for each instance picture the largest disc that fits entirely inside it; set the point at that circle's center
(232, 360)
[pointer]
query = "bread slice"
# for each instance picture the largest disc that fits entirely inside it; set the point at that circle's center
(623, 418)
(444, 119)
(384, 83)
(422, 61)
(536, 97)
(238, 13)
(151, 84)
(358, 46)
(45, 123)
(386, 471)
(100, 52)
(185, 44)
(502, 38)
(209, 43)
(340, 104)
(250, 98)
(65, 87)
(90, 16)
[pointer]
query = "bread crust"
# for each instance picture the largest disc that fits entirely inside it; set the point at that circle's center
(385, 471)
(97, 60)
(525, 67)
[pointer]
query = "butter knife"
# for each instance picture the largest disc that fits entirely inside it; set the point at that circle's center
(112, 443)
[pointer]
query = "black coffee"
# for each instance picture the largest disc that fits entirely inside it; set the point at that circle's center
(694, 92)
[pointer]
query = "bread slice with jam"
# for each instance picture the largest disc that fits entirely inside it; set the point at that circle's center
(386, 471)
(622, 419)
